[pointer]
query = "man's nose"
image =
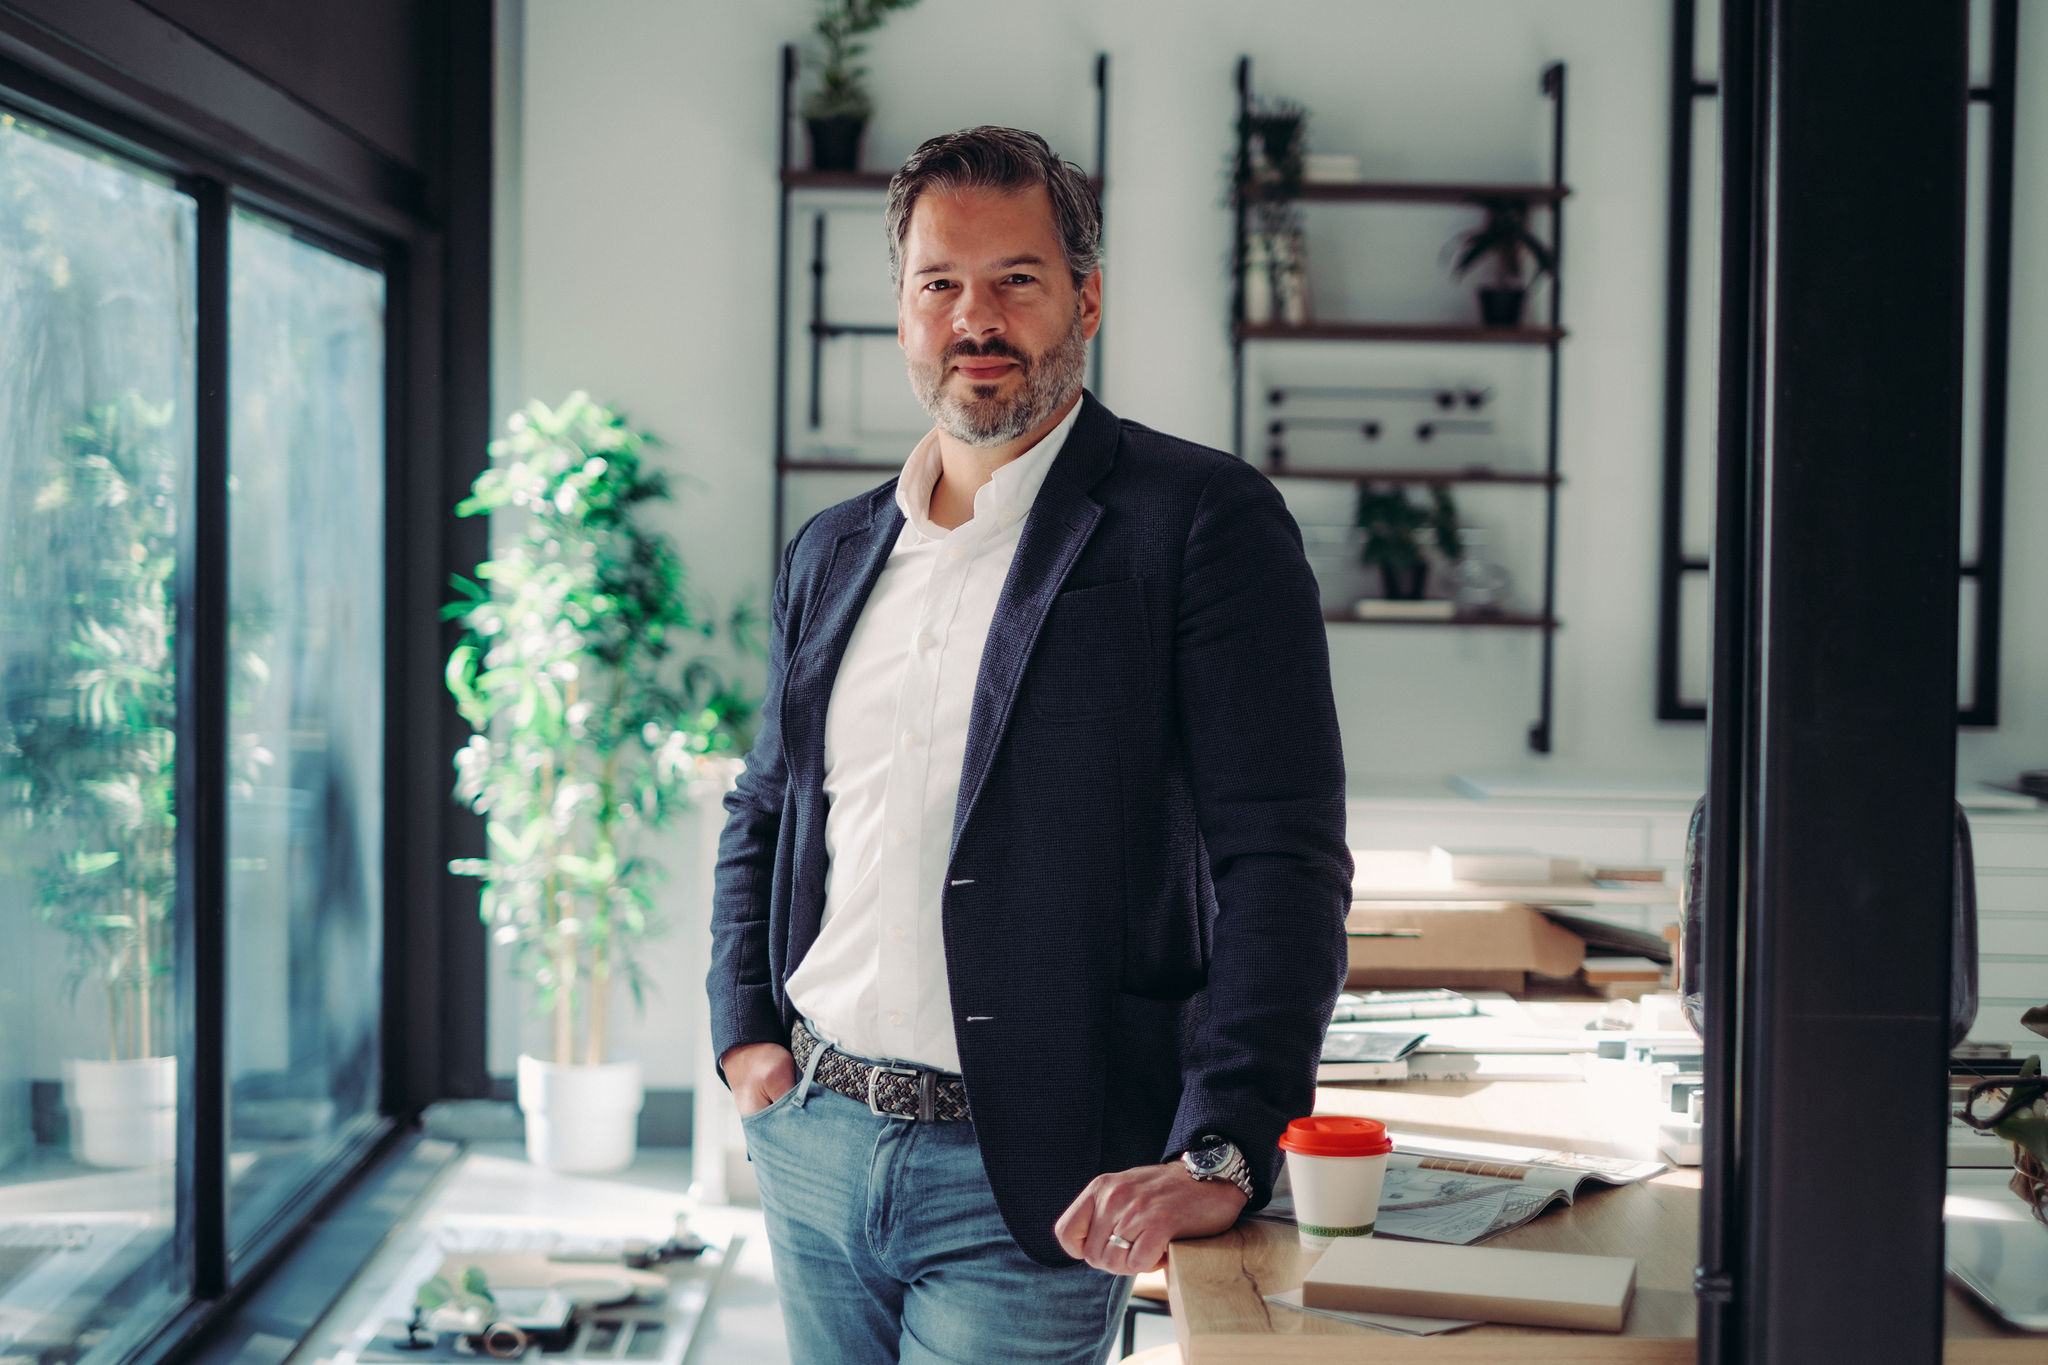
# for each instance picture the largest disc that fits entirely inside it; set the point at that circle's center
(977, 314)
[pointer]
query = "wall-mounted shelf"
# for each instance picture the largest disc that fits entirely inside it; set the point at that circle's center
(837, 467)
(796, 178)
(820, 329)
(1423, 192)
(1549, 335)
(1470, 474)
(1463, 333)
(1509, 620)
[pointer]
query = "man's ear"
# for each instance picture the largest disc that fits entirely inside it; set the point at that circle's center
(1091, 306)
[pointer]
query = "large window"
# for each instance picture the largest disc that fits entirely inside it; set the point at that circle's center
(180, 927)
(97, 325)
(306, 719)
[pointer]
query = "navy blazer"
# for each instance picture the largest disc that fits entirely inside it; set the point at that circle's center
(1144, 911)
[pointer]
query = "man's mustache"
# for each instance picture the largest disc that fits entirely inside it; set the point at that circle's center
(994, 346)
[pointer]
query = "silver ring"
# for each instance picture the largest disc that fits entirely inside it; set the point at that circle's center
(1119, 1243)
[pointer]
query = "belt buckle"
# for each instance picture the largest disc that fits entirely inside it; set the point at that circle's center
(875, 1074)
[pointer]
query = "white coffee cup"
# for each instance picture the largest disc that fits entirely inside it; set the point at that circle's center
(1336, 1164)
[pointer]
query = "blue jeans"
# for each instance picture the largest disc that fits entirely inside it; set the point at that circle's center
(888, 1246)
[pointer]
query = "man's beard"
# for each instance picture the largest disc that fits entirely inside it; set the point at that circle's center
(984, 419)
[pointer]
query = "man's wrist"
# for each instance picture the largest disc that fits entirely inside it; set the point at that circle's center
(1215, 1159)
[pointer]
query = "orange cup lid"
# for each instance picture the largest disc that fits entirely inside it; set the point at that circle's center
(1336, 1135)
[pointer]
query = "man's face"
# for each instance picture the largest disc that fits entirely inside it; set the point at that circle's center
(988, 315)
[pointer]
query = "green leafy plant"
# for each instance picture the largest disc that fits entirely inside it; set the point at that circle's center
(1504, 238)
(2021, 1117)
(1395, 527)
(1272, 142)
(589, 723)
(841, 91)
(469, 1298)
(87, 753)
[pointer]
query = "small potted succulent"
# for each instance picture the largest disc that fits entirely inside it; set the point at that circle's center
(1394, 528)
(1518, 257)
(589, 725)
(837, 110)
(2021, 1118)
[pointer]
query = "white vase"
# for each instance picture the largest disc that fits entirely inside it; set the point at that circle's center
(583, 1119)
(123, 1113)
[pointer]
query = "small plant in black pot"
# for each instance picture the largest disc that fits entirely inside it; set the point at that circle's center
(837, 110)
(1394, 529)
(1518, 257)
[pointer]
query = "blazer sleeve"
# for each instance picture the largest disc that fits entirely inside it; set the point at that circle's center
(741, 980)
(1252, 676)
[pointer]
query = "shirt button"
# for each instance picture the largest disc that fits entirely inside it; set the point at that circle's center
(910, 737)
(895, 1018)
(899, 835)
(955, 553)
(898, 932)
(925, 639)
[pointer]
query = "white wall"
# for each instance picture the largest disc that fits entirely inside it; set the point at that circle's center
(637, 258)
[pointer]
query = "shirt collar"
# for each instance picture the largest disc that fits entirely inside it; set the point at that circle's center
(1004, 499)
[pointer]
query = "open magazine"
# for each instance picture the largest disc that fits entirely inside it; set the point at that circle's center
(1451, 1190)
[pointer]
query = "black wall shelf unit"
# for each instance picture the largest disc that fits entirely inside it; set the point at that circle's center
(1987, 570)
(820, 329)
(1549, 334)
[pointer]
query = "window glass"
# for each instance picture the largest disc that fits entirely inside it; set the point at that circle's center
(306, 708)
(97, 278)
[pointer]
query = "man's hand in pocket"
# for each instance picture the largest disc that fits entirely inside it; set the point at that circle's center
(759, 1074)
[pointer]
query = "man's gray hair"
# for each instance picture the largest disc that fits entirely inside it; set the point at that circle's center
(1006, 159)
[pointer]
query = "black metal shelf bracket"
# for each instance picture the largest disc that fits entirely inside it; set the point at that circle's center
(1675, 564)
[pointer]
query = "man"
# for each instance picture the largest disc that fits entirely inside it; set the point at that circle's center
(1030, 904)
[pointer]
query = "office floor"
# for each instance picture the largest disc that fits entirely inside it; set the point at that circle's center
(493, 1181)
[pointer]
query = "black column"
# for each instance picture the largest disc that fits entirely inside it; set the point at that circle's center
(1833, 710)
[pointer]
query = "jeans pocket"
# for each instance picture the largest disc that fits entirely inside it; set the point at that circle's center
(781, 1101)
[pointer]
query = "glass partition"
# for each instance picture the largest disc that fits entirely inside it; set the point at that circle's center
(97, 329)
(306, 712)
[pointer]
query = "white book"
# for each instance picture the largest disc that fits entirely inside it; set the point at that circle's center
(1491, 1284)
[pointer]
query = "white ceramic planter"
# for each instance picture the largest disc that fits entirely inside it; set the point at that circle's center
(123, 1113)
(580, 1118)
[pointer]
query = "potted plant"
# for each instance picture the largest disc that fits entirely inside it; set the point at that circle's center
(1518, 257)
(588, 726)
(1394, 527)
(837, 110)
(90, 764)
(1272, 138)
(2021, 1118)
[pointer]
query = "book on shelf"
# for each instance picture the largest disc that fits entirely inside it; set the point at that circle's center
(1392, 609)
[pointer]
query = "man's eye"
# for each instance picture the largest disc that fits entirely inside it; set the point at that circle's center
(1023, 279)
(939, 284)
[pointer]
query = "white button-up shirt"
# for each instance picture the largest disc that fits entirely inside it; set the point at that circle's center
(874, 982)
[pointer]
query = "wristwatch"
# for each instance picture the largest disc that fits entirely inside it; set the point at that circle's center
(1215, 1157)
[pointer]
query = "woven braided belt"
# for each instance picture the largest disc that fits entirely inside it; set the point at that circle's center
(897, 1092)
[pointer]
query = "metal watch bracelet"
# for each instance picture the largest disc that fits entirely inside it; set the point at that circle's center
(1236, 1170)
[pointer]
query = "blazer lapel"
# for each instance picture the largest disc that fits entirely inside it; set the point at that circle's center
(857, 559)
(1062, 518)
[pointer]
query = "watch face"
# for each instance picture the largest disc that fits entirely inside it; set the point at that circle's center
(1209, 1160)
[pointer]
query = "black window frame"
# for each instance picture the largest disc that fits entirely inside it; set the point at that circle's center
(427, 232)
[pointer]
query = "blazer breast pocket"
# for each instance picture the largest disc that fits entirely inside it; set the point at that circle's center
(1091, 658)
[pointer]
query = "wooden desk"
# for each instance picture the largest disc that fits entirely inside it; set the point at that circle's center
(1217, 1285)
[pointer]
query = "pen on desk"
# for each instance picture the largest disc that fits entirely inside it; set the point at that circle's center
(1384, 933)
